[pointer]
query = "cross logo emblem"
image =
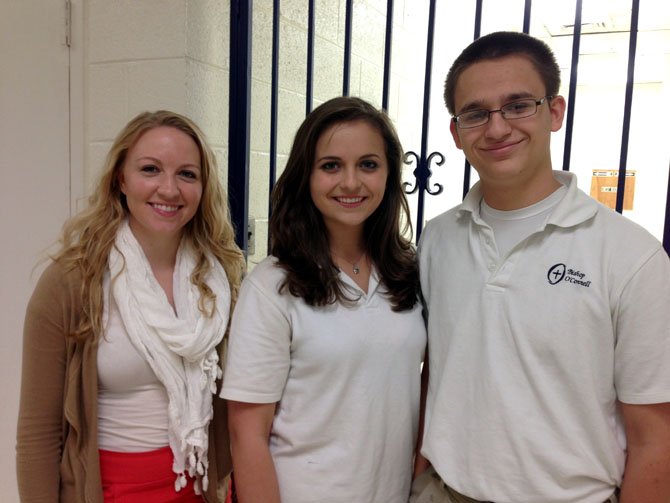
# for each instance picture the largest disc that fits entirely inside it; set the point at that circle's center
(556, 273)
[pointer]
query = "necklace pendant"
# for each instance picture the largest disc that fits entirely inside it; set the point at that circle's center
(356, 268)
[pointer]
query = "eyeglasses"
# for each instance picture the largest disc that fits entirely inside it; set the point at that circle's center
(515, 110)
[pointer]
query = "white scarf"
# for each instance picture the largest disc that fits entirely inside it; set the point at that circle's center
(180, 348)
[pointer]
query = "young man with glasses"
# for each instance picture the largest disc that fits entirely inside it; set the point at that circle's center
(548, 314)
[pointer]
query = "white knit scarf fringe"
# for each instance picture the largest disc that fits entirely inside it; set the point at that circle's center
(180, 348)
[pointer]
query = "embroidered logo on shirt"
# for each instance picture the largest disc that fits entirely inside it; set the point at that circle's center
(559, 272)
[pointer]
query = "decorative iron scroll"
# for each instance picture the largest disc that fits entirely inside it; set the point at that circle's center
(422, 173)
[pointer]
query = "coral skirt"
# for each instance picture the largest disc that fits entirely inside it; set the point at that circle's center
(142, 477)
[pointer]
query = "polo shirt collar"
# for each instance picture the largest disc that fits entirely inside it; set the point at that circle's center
(574, 209)
(471, 203)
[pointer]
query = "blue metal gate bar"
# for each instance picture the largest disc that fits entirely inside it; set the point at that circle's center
(623, 161)
(478, 19)
(572, 89)
(346, 77)
(478, 31)
(274, 102)
(309, 93)
(239, 117)
(422, 172)
(526, 16)
(387, 54)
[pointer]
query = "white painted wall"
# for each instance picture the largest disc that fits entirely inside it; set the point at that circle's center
(35, 187)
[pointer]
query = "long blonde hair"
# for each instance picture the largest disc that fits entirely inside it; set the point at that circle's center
(88, 237)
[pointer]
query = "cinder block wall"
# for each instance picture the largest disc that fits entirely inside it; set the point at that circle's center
(149, 55)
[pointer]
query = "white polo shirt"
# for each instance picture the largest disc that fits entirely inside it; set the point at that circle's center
(347, 383)
(530, 351)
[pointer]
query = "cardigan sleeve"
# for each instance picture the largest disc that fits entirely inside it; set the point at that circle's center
(40, 422)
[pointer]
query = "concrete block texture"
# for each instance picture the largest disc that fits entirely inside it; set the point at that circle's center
(290, 115)
(157, 84)
(157, 54)
(120, 30)
(328, 69)
(119, 91)
(261, 44)
(260, 116)
(259, 184)
(208, 32)
(371, 81)
(207, 100)
(328, 16)
(292, 58)
(368, 32)
(221, 155)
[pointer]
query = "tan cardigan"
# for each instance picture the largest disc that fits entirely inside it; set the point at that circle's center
(57, 437)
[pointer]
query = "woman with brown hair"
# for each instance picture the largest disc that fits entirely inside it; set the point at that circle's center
(326, 342)
(122, 333)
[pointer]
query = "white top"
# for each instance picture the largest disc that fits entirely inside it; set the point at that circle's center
(510, 227)
(529, 353)
(347, 383)
(132, 402)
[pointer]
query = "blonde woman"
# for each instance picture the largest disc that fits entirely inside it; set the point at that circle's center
(122, 333)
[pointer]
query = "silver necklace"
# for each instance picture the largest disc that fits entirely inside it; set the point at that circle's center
(355, 267)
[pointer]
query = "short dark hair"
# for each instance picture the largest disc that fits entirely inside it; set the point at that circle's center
(499, 45)
(298, 234)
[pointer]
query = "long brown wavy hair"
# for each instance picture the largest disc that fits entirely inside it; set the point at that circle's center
(88, 237)
(298, 233)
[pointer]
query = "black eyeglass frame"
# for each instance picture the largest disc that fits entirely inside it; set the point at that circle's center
(538, 102)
